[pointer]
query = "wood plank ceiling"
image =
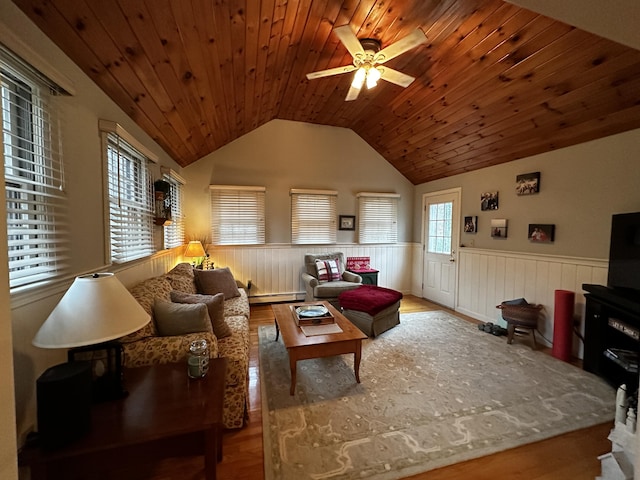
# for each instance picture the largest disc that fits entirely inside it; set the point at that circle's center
(494, 82)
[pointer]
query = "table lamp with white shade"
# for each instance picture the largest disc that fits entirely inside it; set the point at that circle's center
(94, 312)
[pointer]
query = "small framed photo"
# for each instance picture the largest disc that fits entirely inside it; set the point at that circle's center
(499, 228)
(541, 233)
(528, 183)
(470, 224)
(347, 222)
(489, 201)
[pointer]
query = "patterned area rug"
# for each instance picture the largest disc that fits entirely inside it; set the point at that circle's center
(435, 391)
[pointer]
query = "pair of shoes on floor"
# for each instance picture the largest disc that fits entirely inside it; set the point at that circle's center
(489, 327)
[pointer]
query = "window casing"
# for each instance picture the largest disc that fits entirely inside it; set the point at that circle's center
(378, 217)
(174, 232)
(313, 216)
(237, 215)
(130, 191)
(37, 227)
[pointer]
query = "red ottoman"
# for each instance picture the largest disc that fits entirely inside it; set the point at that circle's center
(371, 308)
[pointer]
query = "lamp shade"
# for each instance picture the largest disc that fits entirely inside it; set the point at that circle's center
(194, 249)
(96, 308)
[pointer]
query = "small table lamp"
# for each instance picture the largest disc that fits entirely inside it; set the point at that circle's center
(195, 249)
(95, 311)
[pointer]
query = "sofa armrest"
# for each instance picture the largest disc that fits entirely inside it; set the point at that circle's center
(351, 277)
(310, 280)
(170, 349)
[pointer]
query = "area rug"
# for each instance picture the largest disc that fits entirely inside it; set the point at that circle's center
(435, 391)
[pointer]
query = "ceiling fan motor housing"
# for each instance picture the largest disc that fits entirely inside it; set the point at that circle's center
(371, 44)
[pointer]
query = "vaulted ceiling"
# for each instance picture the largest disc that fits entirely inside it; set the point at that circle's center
(494, 82)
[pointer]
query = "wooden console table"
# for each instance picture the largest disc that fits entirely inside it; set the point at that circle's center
(165, 414)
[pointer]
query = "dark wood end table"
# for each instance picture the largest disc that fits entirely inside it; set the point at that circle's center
(165, 414)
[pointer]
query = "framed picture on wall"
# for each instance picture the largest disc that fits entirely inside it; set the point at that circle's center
(470, 224)
(499, 228)
(541, 233)
(489, 201)
(347, 222)
(528, 183)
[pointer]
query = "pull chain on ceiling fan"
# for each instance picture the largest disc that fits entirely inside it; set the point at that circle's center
(368, 57)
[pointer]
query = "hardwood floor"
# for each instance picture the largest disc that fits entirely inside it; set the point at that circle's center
(570, 456)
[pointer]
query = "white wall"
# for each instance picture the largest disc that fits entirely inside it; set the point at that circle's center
(281, 155)
(580, 188)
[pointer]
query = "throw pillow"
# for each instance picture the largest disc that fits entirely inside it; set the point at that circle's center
(218, 280)
(328, 270)
(215, 307)
(180, 319)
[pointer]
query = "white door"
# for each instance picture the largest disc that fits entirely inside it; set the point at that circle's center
(441, 237)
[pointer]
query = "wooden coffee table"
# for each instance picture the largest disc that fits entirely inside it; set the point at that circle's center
(165, 414)
(301, 347)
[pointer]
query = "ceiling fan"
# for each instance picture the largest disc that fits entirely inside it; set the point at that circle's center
(368, 57)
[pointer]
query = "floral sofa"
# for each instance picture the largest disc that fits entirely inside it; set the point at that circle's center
(147, 346)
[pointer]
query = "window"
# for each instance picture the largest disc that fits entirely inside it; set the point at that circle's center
(174, 232)
(130, 191)
(378, 217)
(237, 215)
(37, 232)
(440, 218)
(313, 216)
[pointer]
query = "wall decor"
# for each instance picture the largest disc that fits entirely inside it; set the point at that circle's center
(470, 224)
(528, 183)
(347, 222)
(541, 233)
(499, 228)
(489, 201)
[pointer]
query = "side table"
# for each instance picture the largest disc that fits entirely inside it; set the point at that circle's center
(369, 277)
(165, 414)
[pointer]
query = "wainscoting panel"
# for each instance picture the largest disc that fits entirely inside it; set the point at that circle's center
(489, 277)
(274, 270)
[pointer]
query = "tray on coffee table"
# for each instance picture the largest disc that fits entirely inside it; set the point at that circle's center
(305, 315)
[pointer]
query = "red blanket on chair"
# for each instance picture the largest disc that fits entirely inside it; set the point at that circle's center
(369, 299)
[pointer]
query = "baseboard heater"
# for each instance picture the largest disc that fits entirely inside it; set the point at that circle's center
(277, 297)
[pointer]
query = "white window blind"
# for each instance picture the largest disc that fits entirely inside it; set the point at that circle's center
(130, 192)
(237, 215)
(313, 216)
(37, 228)
(174, 232)
(378, 217)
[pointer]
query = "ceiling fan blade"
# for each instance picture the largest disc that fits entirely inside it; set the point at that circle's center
(412, 40)
(349, 40)
(331, 71)
(394, 76)
(352, 94)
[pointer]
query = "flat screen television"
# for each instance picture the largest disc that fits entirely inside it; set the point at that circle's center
(624, 252)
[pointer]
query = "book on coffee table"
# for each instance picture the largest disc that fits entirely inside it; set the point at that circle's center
(328, 329)
(307, 315)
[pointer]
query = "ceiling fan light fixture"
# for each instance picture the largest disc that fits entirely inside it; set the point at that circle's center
(373, 75)
(359, 78)
(367, 54)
